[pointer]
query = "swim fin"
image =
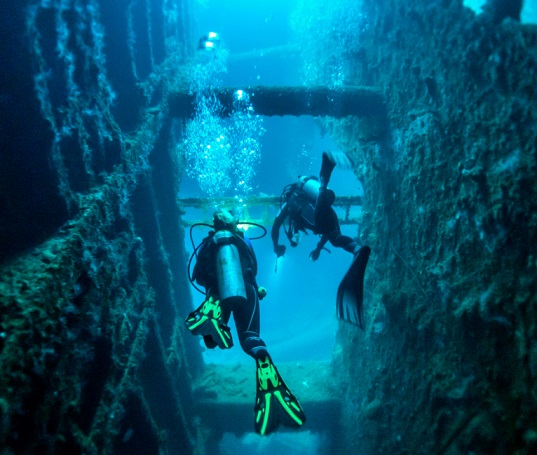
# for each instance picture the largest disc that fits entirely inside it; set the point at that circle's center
(350, 294)
(337, 158)
(274, 403)
(207, 322)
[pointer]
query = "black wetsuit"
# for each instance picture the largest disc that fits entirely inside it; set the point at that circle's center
(304, 215)
(245, 313)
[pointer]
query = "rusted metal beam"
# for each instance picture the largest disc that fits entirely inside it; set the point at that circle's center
(316, 101)
(201, 203)
(345, 202)
(268, 222)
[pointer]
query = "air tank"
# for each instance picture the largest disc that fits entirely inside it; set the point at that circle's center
(228, 267)
(310, 186)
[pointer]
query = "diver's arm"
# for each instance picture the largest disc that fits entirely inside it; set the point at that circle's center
(314, 255)
(275, 233)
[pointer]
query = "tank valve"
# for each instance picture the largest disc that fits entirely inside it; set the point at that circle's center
(261, 292)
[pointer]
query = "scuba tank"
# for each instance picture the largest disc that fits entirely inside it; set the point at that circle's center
(228, 267)
(310, 186)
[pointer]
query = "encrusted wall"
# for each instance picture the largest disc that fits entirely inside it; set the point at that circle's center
(448, 362)
(92, 263)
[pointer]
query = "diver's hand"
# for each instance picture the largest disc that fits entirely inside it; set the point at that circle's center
(279, 250)
(314, 255)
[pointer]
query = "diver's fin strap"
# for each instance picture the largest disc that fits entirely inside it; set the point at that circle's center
(207, 321)
(275, 404)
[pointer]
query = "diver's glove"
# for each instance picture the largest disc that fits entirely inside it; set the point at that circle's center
(314, 255)
(261, 292)
(279, 250)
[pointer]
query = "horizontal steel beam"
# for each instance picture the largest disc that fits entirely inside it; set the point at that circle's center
(345, 202)
(295, 101)
(267, 223)
(200, 203)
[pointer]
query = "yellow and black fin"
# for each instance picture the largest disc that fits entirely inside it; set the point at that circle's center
(275, 405)
(207, 322)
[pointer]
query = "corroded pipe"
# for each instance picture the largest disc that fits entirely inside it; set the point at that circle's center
(200, 203)
(295, 101)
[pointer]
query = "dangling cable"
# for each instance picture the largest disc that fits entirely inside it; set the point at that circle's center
(285, 194)
(285, 191)
(192, 238)
(195, 253)
(190, 275)
(288, 229)
(256, 225)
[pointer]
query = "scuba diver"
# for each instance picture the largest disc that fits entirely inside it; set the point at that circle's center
(226, 267)
(308, 206)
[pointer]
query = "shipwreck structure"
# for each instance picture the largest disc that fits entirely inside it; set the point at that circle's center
(439, 119)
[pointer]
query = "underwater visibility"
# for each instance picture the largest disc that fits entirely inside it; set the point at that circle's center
(297, 227)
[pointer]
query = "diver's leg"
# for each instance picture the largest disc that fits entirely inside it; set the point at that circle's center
(275, 405)
(210, 321)
(329, 161)
(339, 240)
(247, 321)
(336, 238)
(326, 197)
(327, 166)
(324, 213)
(325, 217)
